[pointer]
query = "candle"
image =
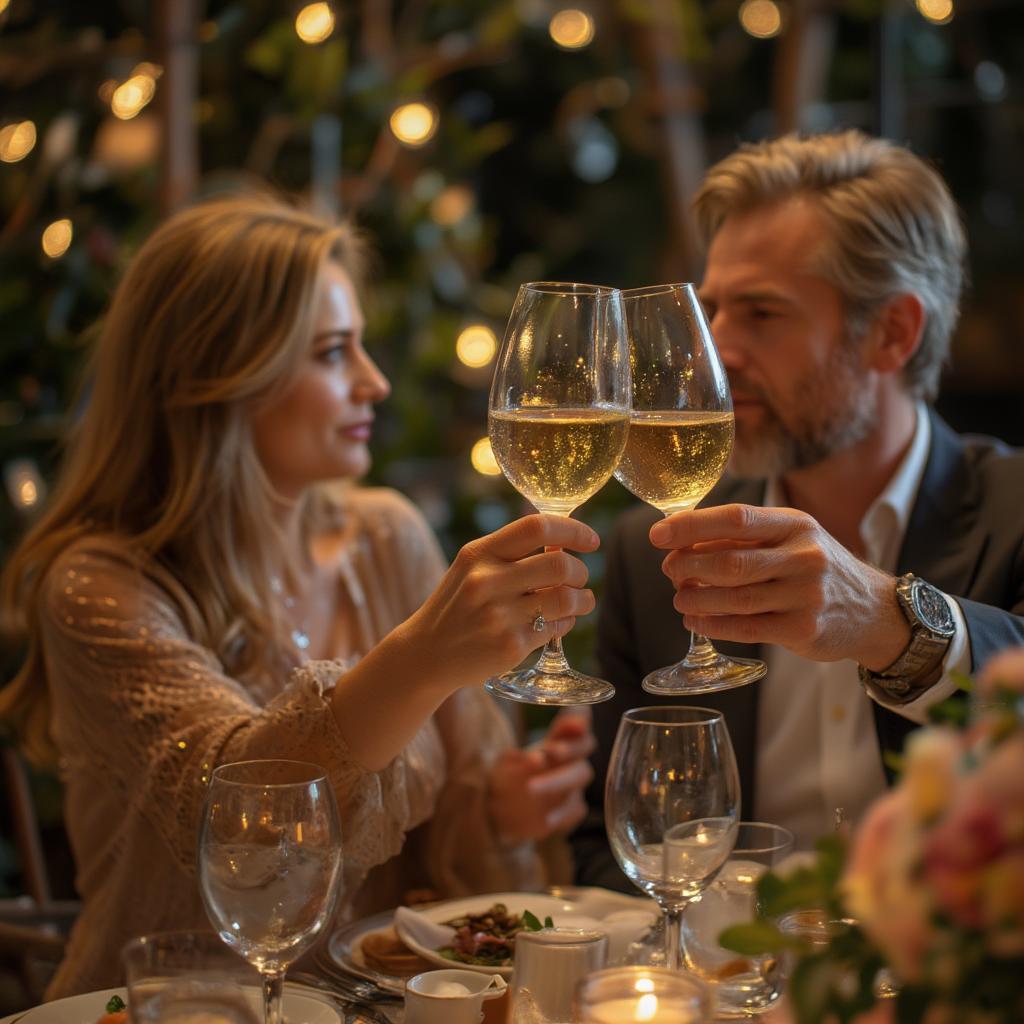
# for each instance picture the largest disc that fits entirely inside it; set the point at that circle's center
(643, 1009)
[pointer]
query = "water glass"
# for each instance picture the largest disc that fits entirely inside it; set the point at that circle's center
(188, 978)
(548, 965)
(745, 986)
(656, 995)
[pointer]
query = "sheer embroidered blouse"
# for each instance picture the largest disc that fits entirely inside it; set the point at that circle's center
(142, 714)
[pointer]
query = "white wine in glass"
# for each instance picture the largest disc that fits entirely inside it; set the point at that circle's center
(558, 418)
(681, 432)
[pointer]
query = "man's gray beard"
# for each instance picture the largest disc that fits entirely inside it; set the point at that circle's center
(837, 411)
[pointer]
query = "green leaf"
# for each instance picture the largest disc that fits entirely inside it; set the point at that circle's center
(116, 1004)
(531, 922)
(757, 938)
(548, 922)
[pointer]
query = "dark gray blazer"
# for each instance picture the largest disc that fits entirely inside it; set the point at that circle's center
(965, 536)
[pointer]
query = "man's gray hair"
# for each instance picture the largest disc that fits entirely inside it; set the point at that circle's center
(894, 227)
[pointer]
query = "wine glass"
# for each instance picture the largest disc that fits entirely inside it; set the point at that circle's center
(680, 436)
(672, 767)
(558, 417)
(269, 858)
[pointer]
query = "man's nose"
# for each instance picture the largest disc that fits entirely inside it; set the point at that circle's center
(726, 341)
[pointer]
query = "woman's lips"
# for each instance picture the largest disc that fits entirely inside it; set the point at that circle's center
(358, 431)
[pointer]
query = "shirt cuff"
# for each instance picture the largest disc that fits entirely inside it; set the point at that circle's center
(956, 660)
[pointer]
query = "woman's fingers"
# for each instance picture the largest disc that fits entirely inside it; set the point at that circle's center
(526, 535)
(553, 604)
(551, 569)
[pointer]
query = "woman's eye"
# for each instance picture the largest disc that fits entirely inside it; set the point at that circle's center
(334, 354)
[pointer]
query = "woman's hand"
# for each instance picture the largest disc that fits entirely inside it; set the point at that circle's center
(479, 621)
(539, 790)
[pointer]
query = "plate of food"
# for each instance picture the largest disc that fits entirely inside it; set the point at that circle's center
(370, 948)
(478, 932)
(107, 1007)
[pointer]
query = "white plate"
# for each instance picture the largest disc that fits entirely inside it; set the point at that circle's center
(578, 907)
(345, 950)
(301, 1006)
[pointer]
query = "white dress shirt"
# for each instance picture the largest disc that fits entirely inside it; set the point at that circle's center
(818, 757)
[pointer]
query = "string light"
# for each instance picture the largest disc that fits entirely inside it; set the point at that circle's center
(571, 29)
(57, 238)
(476, 345)
(939, 12)
(483, 460)
(17, 141)
(761, 18)
(25, 486)
(314, 23)
(414, 124)
(4, 4)
(131, 96)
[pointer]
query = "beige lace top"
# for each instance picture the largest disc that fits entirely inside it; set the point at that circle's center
(143, 713)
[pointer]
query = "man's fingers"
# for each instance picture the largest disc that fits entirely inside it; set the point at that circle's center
(752, 600)
(744, 629)
(732, 568)
(724, 522)
(526, 535)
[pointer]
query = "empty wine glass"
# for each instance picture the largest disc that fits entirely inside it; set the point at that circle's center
(680, 436)
(559, 412)
(672, 804)
(269, 858)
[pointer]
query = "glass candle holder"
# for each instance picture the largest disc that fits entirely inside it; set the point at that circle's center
(643, 995)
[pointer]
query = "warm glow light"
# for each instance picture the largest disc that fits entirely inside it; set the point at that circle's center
(761, 18)
(17, 141)
(414, 123)
(483, 458)
(646, 1007)
(57, 238)
(451, 205)
(314, 23)
(476, 345)
(4, 4)
(572, 29)
(153, 71)
(131, 96)
(938, 11)
(28, 493)
(106, 89)
(644, 985)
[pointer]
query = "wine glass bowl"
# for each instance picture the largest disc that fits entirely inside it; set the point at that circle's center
(269, 860)
(558, 418)
(681, 433)
(672, 767)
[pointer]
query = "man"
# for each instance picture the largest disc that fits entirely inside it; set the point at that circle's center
(832, 285)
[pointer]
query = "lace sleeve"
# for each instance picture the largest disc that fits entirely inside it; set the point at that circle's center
(140, 705)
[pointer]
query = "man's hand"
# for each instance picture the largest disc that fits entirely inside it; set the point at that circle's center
(774, 575)
(538, 791)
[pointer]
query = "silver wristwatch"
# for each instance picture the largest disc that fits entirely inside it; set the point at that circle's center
(931, 631)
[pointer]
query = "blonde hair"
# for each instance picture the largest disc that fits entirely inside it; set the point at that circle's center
(894, 227)
(213, 316)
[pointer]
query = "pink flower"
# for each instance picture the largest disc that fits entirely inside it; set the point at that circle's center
(1005, 670)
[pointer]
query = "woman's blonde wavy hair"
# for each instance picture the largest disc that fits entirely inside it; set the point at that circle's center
(213, 317)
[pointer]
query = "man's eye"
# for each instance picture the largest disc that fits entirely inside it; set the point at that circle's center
(759, 313)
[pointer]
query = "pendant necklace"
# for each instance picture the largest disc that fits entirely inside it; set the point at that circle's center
(300, 631)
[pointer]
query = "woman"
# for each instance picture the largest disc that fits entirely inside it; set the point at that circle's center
(190, 559)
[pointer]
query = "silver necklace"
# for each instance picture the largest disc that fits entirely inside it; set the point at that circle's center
(300, 631)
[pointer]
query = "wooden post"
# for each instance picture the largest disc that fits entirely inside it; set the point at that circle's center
(802, 60)
(660, 45)
(177, 23)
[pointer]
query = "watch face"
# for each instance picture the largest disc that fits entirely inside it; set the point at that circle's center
(931, 608)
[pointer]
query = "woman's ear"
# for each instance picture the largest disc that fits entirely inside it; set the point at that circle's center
(896, 333)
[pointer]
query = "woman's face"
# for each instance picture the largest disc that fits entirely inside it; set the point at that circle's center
(319, 429)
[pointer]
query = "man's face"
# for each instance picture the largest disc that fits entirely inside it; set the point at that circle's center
(799, 386)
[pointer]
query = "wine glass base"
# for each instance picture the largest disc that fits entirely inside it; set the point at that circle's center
(535, 686)
(719, 673)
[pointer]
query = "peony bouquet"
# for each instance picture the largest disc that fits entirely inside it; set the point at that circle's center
(930, 892)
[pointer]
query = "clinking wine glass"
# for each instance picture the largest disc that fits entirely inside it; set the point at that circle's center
(269, 860)
(680, 435)
(558, 416)
(672, 768)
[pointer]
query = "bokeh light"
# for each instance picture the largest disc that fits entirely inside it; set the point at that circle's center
(761, 18)
(17, 141)
(131, 96)
(314, 23)
(482, 458)
(57, 238)
(451, 205)
(940, 12)
(414, 124)
(476, 345)
(571, 29)
(4, 4)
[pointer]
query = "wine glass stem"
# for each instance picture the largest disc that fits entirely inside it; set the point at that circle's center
(701, 650)
(673, 937)
(552, 658)
(273, 987)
